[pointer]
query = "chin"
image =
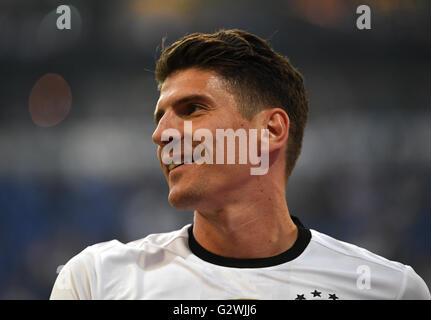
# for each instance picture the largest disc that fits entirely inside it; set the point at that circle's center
(185, 198)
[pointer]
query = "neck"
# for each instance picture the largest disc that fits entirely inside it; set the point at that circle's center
(258, 226)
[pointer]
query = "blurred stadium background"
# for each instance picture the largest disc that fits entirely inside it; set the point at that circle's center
(364, 175)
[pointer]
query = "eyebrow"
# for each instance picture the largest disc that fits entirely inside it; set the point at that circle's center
(187, 99)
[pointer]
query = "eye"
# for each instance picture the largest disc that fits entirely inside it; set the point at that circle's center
(191, 108)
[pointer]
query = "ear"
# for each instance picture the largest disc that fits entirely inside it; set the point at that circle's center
(277, 122)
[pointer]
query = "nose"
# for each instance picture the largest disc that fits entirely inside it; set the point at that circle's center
(168, 121)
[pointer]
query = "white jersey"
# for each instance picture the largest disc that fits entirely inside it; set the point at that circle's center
(174, 266)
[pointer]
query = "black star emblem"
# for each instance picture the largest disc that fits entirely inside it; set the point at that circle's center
(316, 293)
(333, 296)
(300, 297)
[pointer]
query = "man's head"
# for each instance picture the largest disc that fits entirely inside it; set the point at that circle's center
(247, 71)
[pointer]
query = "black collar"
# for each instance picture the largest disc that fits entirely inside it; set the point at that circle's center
(304, 236)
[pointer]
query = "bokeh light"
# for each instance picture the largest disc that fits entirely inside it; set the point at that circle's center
(50, 100)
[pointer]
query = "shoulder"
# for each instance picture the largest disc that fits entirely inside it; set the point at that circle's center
(399, 281)
(164, 240)
(114, 249)
(347, 251)
(83, 273)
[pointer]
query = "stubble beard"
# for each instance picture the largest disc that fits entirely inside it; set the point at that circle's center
(189, 196)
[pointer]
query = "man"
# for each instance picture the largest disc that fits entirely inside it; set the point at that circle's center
(243, 243)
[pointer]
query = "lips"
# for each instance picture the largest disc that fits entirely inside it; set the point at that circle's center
(174, 165)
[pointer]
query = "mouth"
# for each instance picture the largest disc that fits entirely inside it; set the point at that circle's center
(172, 166)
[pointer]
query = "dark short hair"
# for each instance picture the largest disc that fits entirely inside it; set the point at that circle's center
(259, 77)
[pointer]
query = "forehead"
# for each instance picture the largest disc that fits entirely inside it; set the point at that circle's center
(192, 82)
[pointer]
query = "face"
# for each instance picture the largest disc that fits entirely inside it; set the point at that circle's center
(199, 96)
